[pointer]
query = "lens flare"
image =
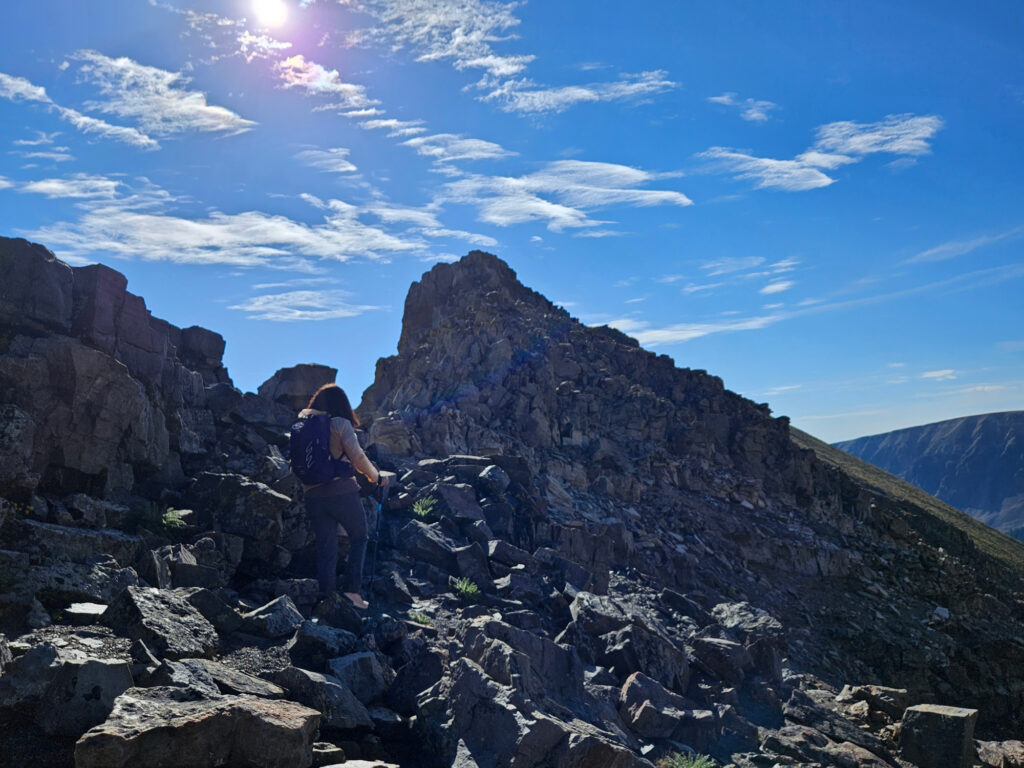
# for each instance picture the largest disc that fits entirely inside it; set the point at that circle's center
(271, 13)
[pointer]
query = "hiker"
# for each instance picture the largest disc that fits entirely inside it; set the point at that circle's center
(336, 501)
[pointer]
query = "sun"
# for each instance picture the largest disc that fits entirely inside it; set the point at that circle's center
(271, 13)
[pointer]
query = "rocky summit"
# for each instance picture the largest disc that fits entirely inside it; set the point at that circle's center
(589, 558)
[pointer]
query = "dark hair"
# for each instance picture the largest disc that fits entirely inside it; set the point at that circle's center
(332, 398)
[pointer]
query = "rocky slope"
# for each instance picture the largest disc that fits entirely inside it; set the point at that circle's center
(975, 463)
(590, 558)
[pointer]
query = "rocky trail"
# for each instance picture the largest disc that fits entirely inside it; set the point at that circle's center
(589, 559)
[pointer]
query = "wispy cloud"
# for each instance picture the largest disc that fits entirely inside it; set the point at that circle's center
(53, 156)
(5, 183)
(20, 89)
(465, 32)
(897, 134)
(295, 306)
(731, 264)
(955, 248)
(140, 223)
(78, 186)
(317, 80)
(329, 160)
(394, 127)
(154, 98)
(449, 147)
(42, 138)
(253, 47)
(942, 375)
(753, 110)
(561, 194)
(777, 287)
(526, 97)
(790, 175)
(680, 332)
(837, 144)
(781, 390)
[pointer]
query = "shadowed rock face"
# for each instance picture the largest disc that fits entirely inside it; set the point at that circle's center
(95, 385)
(974, 463)
(486, 365)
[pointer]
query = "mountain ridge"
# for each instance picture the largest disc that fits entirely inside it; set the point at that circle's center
(975, 463)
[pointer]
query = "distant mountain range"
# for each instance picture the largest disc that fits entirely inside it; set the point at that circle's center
(975, 463)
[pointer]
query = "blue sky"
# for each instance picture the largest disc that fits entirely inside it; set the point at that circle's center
(819, 203)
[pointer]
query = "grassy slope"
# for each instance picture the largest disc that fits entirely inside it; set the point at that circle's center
(988, 540)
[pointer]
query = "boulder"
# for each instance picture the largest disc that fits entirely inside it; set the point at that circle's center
(222, 616)
(726, 659)
(426, 543)
(500, 551)
(277, 618)
(806, 744)
(316, 643)
(458, 500)
(184, 674)
(416, 676)
(164, 620)
(1001, 754)
(78, 545)
(231, 681)
(27, 676)
(293, 387)
(597, 615)
(338, 611)
(934, 736)
(637, 649)
(36, 291)
(471, 563)
(202, 350)
(364, 674)
(165, 728)
(327, 694)
(81, 694)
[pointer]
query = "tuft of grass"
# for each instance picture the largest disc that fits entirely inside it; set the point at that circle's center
(466, 590)
(681, 760)
(424, 509)
(421, 618)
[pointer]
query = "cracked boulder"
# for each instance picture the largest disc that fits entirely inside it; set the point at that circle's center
(164, 620)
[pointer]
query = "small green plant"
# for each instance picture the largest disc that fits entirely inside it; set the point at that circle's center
(171, 520)
(424, 508)
(163, 522)
(467, 591)
(421, 618)
(680, 760)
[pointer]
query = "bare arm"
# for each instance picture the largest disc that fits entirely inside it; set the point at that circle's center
(344, 442)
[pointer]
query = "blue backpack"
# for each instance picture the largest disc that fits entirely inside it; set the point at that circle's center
(310, 447)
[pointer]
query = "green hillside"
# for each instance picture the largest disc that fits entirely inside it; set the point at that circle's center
(988, 540)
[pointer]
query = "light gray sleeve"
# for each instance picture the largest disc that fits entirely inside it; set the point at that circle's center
(351, 448)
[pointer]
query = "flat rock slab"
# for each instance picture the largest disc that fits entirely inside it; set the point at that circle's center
(164, 620)
(163, 728)
(934, 736)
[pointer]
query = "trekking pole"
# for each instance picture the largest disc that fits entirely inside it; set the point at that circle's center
(380, 494)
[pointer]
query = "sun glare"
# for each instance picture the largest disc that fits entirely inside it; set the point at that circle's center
(271, 13)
